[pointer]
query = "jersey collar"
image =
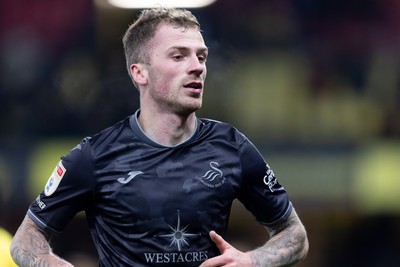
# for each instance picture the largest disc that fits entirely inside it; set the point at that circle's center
(138, 131)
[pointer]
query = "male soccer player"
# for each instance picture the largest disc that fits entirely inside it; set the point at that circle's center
(157, 187)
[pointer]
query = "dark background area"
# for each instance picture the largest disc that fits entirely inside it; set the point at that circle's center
(313, 83)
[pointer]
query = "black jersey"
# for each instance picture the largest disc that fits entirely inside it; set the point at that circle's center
(152, 205)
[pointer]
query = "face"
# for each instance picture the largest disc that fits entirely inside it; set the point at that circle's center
(176, 71)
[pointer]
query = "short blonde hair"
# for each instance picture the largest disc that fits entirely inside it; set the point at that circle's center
(137, 36)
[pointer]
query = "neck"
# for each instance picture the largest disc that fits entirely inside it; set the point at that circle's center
(167, 129)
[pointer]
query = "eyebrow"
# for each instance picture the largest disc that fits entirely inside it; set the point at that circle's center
(201, 49)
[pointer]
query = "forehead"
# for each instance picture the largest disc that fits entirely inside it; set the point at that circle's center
(168, 36)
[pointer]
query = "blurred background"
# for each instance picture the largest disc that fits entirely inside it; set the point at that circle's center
(314, 84)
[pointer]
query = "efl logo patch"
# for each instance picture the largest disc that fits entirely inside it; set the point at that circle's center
(55, 179)
(60, 170)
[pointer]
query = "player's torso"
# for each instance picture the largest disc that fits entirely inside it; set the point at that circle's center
(166, 200)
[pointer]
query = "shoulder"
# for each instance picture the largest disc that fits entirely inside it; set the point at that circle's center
(110, 134)
(101, 142)
(221, 129)
(226, 132)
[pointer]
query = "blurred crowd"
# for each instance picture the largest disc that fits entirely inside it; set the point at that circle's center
(332, 66)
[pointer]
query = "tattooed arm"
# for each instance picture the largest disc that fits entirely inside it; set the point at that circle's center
(288, 244)
(31, 247)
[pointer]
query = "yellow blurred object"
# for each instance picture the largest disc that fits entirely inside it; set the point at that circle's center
(5, 242)
(42, 161)
(376, 181)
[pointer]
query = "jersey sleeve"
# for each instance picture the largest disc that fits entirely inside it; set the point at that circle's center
(261, 192)
(67, 191)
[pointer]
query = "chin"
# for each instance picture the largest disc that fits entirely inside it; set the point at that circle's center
(196, 107)
(188, 109)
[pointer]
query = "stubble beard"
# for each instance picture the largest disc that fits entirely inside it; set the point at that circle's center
(182, 105)
(185, 109)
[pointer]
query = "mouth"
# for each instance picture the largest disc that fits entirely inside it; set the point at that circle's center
(194, 87)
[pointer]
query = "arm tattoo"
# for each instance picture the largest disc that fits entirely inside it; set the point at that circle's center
(288, 245)
(30, 247)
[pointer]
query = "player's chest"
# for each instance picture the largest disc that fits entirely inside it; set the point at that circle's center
(159, 175)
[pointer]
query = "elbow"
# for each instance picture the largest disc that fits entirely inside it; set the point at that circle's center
(305, 249)
(304, 246)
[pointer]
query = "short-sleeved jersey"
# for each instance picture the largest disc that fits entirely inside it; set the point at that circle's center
(152, 205)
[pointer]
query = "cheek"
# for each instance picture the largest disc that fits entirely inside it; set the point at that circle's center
(164, 79)
(157, 78)
(169, 79)
(161, 84)
(163, 73)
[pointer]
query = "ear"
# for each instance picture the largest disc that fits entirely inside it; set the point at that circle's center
(139, 73)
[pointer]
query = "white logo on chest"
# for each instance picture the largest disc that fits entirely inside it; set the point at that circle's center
(213, 178)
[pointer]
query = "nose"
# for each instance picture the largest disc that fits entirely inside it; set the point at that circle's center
(197, 66)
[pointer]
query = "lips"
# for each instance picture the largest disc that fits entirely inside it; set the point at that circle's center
(194, 85)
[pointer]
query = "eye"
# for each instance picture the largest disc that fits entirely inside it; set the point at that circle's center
(177, 56)
(202, 59)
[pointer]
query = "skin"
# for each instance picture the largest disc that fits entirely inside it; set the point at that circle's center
(288, 244)
(171, 90)
(31, 247)
(171, 84)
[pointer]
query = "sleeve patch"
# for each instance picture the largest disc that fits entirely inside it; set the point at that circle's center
(55, 179)
(270, 179)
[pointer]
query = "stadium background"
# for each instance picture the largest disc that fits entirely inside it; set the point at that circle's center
(314, 83)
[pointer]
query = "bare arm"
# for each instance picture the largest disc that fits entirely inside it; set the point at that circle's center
(31, 247)
(288, 244)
